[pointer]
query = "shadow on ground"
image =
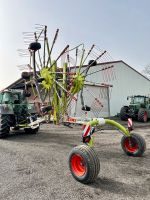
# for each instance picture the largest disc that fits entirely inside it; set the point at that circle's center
(117, 187)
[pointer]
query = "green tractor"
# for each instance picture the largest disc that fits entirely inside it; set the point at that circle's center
(16, 113)
(139, 109)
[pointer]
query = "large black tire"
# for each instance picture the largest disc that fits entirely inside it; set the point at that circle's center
(123, 113)
(84, 164)
(31, 131)
(134, 145)
(5, 123)
(142, 115)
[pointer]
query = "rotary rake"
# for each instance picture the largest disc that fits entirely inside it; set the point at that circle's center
(58, 84)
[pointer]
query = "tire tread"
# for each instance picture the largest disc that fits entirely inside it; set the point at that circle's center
(92, 161)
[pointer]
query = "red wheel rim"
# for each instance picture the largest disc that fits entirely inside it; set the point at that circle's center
(145, 116)
(131, 144)
(78, 165)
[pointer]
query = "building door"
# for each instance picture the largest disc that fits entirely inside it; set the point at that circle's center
(96, 98)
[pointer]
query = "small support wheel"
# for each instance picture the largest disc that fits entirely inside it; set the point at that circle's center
(84, 164)
(134, 145)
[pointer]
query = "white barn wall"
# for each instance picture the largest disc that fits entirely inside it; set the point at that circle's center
(98, 109)
(128, 82)
(125, 80)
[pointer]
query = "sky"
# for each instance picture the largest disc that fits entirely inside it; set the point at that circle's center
(122, 27)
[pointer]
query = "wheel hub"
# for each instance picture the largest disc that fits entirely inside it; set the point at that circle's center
(78, 165)
(131, 144)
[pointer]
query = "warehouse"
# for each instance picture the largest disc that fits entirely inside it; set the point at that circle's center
(125, 81)
(106, 89)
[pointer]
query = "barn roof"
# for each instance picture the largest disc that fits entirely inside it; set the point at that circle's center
(19, 84)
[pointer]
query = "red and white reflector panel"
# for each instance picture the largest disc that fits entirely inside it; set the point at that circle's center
(130, 124)
(87, 130)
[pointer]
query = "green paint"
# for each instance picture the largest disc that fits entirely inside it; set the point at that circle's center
(48, 81)
(112, 123)
(117, 125)
(55, 96)
(95, 122)
(91, 142)
(64, 96)
(78, 83)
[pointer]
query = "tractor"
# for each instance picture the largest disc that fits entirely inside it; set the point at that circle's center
(16, 113)
(139, 109)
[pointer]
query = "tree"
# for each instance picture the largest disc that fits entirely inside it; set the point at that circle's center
(146, 71)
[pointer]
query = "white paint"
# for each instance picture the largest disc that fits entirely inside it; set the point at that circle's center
(89, 94)
(101, 121)
(125, 80)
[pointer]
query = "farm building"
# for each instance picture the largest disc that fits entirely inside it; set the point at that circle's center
(106, 88)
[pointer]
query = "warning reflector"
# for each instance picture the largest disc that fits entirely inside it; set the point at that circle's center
(87, 130)
(130, 124)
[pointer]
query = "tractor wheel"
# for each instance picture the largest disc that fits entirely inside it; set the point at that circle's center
(31, 131)
(134, 145)
(84, 164)
(142, 115)
(123, 113)
(5, 123)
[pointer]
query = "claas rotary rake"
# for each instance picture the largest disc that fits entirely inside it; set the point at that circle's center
(57, 82)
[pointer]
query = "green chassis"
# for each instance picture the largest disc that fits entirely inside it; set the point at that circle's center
(101, 122)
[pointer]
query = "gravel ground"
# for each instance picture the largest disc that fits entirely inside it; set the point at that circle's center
(34, 167)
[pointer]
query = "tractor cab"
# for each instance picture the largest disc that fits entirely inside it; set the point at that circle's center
(15, 113)
(5, 97)
(13, 102)
(139, 108)
(9, 97)
(138, 102)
